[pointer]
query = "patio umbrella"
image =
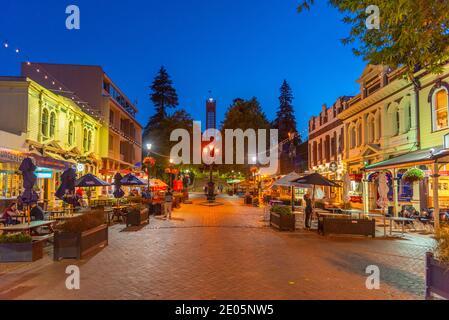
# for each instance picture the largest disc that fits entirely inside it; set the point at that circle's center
(89, 180)
(315, 179)
(157, 184)
(383, 191)
(132, 180)
(118, 192)
(66, 191)
(27, 167)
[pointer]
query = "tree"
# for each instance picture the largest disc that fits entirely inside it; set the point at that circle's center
(285, 122)
(412, 34)
(161, 124)
(244, 114)
(163, 96)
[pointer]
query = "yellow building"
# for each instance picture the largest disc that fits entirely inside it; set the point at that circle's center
(51, 128)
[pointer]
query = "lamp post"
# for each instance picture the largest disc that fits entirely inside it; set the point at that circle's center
(149, 146)
(211, 185)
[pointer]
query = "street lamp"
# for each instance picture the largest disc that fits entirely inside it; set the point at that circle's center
(149, 146)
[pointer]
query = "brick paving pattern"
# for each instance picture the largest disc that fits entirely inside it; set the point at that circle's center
(226, 252)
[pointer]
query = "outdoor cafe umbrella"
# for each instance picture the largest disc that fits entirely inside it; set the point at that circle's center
(131, 180)
(88, 181)
(118, 192)
(316, 179)
(66, 191)
(29, 196)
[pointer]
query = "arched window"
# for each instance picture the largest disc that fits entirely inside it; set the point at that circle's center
(371, 129)
(440, 109)
(44, 124)
(52, 125)
(398, 121)
(89, 141)
(353, 137)
(394, 118)
(359, 135)
(71, 137)
(85, 140)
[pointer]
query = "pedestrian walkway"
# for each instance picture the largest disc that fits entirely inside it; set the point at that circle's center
(227, 252)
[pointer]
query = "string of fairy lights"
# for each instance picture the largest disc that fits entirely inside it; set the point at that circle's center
(57, 87)
(51, 83)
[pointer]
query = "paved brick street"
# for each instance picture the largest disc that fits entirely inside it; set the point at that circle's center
(226, 252)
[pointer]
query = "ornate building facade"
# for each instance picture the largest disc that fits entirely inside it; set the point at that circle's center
(51, 128)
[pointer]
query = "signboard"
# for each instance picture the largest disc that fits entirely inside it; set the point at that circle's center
(44, 173)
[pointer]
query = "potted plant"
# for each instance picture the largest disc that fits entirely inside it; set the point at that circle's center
(138, 216)
(412, 175)
(20, 247)
(437, 266)
(282, 218)
(79, 236)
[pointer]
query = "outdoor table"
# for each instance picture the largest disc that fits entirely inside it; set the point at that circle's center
(399, 219)
(66, 217)
(333, 209)
(28, 228)
(351, 211)
(108, 212)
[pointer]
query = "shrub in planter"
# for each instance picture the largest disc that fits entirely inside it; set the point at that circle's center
(19, 247)
(282, 218)
(413, 175)
(80, 236)
(437, 266)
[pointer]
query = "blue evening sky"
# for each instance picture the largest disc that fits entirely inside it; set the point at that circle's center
(236, 48)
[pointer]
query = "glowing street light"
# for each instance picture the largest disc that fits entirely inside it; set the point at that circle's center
(149, 146)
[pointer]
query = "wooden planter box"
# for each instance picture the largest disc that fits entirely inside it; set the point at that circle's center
(283, 222)
(437, 277)
(21, 252)
(78, 245)
(361, 227)
(138, 218)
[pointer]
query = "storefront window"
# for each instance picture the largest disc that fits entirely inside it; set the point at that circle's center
(440, 109)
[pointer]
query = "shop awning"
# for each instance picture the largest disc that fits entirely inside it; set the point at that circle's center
(418, 157)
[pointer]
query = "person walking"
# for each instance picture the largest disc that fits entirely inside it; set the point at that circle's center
(168, 204)
(308, 211)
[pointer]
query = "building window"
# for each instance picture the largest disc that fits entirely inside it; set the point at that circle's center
(359, 135)
(353, 137)
(44, 125)
(52, 125)
(85, 140)
(71, 137)
(440, 109)
(371, 130)
(89, 140)
(111, 117)
(398, 121)
(111, 142)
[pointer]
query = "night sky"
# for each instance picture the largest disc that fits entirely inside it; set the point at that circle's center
(236, 48)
